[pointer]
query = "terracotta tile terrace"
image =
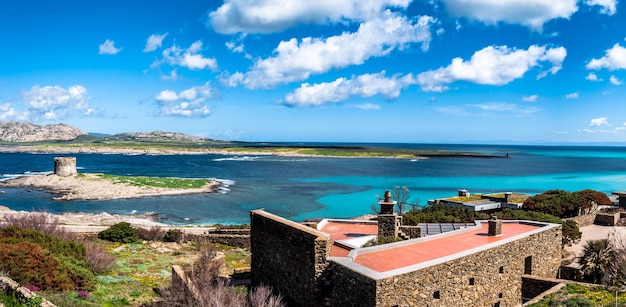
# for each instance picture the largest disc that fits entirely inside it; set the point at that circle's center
(401, 256)
(339, 230)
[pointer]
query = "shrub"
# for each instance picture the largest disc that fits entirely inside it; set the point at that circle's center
(29, 263)
(155, 233)
(120, 232)
(173, 235)
(99, 260)
(40, 221)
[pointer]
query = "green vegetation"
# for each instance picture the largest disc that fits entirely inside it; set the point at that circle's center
(120, 232)
(11, 300)
(566, 204)
(158, 182)
(579, 295)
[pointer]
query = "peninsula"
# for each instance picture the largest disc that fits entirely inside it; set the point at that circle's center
(102, 187)
(55, 139)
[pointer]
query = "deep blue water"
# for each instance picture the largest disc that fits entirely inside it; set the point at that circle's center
(300, 188)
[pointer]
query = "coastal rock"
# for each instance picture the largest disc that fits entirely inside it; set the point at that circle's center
(27, 132)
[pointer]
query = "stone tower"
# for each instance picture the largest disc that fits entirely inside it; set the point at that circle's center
(65, 166)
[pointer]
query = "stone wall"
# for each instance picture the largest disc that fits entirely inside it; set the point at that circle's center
(485, 278)
(412, 232)
(388, 224)
(290, 257)
(533, 286)
(583, 220)
(230, 237)
(606, 219)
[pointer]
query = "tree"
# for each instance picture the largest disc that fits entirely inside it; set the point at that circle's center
(592, 199)
(402, 195)
(559, 203)
(595, 259)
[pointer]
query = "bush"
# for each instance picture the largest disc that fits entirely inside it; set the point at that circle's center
(120, 232)
(173, 235)
(29, 263)
(155, 233)
(99, 260)
(40, 221)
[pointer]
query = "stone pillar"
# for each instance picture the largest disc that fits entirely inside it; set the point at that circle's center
(65, 166)
(389, 224)
(495, 226)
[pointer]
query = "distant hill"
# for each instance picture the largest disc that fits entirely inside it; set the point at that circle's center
(27, 132)
(155, 136)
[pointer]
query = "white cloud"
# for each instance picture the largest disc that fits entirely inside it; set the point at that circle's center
(592, 77)
(574, 95)
(608, 7)
(530, 98)
(108, 47)
(55, 103)
(615, 81)
(187, 103)
(367, 106)
(342, 89)
(296, 61)
(497, 65)
(505, 107)
(600, 121)
(615, 58)
(172, 76)
(266, 16)
(7, 112)
(189, 58)
(154, 42)
(530, 13)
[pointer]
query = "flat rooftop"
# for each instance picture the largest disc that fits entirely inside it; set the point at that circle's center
(397, 258)
(425, 250)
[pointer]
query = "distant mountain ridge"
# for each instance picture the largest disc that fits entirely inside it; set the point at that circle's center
(27, 132)
(155, 136)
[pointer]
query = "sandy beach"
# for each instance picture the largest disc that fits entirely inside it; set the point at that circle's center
(92, 187)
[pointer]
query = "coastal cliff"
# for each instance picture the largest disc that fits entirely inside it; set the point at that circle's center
(27, 132)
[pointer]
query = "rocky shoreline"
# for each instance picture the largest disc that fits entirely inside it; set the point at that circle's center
(92, 187)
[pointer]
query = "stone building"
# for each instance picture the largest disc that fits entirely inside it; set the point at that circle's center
(65, 166)
(324, 263)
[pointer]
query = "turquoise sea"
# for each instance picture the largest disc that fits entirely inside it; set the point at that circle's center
(301, 188)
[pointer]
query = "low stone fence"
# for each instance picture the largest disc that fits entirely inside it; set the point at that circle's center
(230, 237)
(583, 220)
(607, 219)
(411, 231)
(9, 286)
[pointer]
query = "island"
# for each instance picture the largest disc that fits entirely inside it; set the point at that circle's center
(66, 184)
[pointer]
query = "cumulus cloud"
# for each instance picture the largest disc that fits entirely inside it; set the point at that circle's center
(574, 95)
(615, 81)
(187, 103)
(530, 98)
(266, 16)
(614, 58)
(342, 89)
(600, 121)
(493, 65)
(154, 42)
(50, 103)
(530, 13)
(108, 47)
(296, 61)
(189, 58)
(592, 77)
(608, 7)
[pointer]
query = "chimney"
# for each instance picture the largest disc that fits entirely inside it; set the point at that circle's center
(463, 193)
(507, 197)
(495, 226)
(386, 205)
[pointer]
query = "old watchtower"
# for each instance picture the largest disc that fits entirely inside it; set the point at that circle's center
(65, 166)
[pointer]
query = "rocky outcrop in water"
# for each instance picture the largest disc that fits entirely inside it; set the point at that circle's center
(27, 132)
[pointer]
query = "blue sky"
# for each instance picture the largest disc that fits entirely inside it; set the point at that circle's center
(490, 71)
